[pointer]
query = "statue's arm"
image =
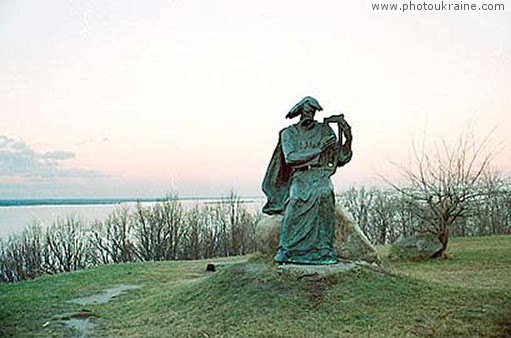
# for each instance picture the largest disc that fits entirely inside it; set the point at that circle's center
(297, 157)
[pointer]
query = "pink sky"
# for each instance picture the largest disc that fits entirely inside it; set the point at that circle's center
(124, 98)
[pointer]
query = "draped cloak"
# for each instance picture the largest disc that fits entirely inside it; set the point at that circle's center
(276, 181)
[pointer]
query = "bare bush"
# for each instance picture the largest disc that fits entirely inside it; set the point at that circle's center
(113, 237)
(383, 214)
(64, 246)
(20, 256)
(159, 229)
(191, 244)
(100, 239)
(359, 204)
(240, 227)
(224, 229)
(491, 211)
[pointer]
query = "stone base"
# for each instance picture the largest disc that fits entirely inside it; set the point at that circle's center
(323, 270)
(350, 242)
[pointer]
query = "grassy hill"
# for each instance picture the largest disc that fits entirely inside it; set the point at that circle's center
(468, 295)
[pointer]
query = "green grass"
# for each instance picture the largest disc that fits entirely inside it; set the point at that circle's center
(468, 295)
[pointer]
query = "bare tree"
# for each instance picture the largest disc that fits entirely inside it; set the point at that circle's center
(149, 227)
(405, 216)
(239, 223)
(359, 204)
(101, 243)
(210, 217)
(20, 255)
(383, 213)
(443, 183)
(492, 209)
(224, 228)
(113, 237)
(64, 246)
(191, 242)
(173, 216)
(31, 251)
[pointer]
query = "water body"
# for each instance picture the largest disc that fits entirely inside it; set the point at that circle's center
(15, 215)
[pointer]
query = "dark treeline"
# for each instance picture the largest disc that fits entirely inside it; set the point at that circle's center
(164, 231)
(386, 214)
(167, 230)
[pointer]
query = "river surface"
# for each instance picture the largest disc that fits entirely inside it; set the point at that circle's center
(13, 219)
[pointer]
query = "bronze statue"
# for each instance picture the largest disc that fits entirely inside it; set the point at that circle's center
(297, 184)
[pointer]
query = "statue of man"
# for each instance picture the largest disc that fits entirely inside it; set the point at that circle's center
(297, 184)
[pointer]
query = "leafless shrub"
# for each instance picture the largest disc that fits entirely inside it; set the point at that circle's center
(113, 237)
(225, 228)
(65, 246)
(101, 243)
(359, 203)
(491, 211)
(383, 216)
(159, 229)
(20, 256)
(380, 213)
(191, 242)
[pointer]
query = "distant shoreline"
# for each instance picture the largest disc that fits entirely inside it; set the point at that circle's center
(98, 201)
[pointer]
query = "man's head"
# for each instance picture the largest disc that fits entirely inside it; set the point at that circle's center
(306, 108)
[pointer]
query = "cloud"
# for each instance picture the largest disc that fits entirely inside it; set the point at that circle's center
(6, 142)
(17, 159)
(92, 140)
(57, 155)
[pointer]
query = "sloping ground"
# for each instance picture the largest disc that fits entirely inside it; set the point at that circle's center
(468, 295)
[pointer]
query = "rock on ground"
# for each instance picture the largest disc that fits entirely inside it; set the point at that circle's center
(267, 234)
(350, 242)
(418, 247)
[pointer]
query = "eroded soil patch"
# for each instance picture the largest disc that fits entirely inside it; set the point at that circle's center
(83, 322)
(105, 296)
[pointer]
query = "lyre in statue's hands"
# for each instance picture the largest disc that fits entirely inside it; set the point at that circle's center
(343, 151)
